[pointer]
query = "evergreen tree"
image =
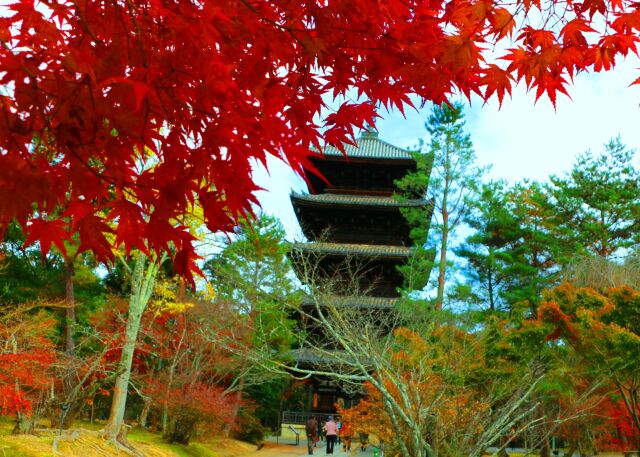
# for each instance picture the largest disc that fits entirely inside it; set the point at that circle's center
(453, 181)
(529, 205)
(510, 256)
(492, 253)
(597, 204)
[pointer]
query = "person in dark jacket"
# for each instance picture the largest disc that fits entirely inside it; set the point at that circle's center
(311, 428)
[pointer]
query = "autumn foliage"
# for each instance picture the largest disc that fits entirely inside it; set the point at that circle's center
(435, 380)
(26, 363)
(119, 119)
(181, 373)
(118, 116)
(602, 327)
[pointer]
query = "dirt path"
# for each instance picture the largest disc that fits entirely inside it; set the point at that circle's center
(287, 450)
(277, 450)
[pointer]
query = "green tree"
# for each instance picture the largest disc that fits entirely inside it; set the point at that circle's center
(509, 255)
(494, 252)
(597, 204)
(453, 180)
(415, 185)
(529, 204)
(252, 275)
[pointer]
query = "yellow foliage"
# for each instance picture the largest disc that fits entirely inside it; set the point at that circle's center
(165, 296)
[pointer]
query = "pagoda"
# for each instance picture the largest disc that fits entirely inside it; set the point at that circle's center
(350, 212)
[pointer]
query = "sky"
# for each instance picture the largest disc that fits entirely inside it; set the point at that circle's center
(520, 140)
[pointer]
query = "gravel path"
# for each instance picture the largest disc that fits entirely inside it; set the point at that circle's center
(272, 449)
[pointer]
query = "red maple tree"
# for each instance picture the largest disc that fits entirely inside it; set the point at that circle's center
(118, 115)
(26, 363)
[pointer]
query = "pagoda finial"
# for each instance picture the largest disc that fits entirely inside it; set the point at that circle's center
(369, 132)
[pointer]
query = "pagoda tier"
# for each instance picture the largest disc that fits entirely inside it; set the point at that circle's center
(375, 266)
(354, 218)
(377, 310)
(371, 167)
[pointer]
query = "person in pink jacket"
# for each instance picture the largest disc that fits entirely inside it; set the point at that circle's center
(331, 430)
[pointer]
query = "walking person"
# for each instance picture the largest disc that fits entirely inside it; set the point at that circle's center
(345, 436)
(311, 428)
(331, 434)
(364, 441)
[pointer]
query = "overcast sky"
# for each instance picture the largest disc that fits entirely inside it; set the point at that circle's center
(518, 140)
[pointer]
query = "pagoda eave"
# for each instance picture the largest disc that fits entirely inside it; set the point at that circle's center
(356, 201)
(357, 250)
(355, 302)
(403, 162)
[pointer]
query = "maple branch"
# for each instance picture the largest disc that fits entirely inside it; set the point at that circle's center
(84, 22)
(100, 175)
(289, 30)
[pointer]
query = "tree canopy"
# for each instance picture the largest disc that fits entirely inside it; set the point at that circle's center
(94, 92)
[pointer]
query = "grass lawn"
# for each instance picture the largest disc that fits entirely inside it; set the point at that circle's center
(150, 444)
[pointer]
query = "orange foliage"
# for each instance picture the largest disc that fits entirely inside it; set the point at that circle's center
(432, 370)
(369, 417)
(603, 329)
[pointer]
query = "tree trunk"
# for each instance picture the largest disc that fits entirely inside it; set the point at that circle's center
(181, 296)
(492, 303)
(141, 288)
(23, 425)
(236, 406)
(144, 415)
(545, 451)
(165, 420)
(172, 371)
(72, 407)
(70, 321)
(443, 260)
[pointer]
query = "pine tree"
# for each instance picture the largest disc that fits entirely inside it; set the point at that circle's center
(491, 251)
(529, 204)
(454, 179)
(597, 203)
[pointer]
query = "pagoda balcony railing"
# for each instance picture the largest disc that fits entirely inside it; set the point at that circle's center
(301, 417)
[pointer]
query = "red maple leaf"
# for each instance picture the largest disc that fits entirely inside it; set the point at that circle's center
(502, 22)
(497, 81)
(47, 233)
(161, 100)
(130, 224)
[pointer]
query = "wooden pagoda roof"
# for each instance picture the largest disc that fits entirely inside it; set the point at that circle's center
(368, 146)
(362, 301)
(319, 358)
(330, 199)
(344, 249)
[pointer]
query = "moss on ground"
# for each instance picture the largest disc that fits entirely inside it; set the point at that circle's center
(88, 445)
